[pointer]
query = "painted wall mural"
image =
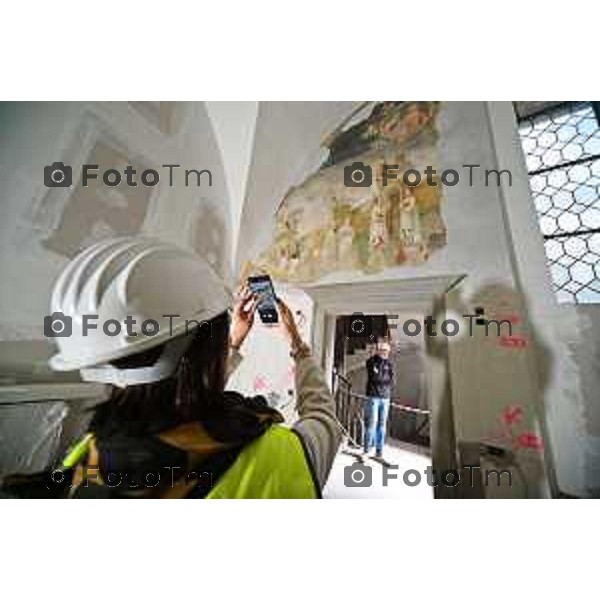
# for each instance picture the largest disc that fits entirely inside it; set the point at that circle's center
(323, 226)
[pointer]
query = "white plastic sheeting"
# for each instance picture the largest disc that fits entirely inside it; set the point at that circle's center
(38, 422)
(30, 435)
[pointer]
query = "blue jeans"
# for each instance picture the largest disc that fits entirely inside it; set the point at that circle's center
(376, 415)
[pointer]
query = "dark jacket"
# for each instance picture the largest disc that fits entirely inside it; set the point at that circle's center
(380, 377)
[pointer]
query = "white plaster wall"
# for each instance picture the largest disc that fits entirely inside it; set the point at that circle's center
(478, 245)
(267, 368)
(34, 135)
(287, 148)
(37, 134)
(234, 124)
(569, 333)
(492, 237)
(586, 356)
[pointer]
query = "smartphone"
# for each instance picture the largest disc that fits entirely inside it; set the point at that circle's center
(262, 286)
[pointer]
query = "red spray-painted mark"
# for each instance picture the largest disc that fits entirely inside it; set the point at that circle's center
(512, 414)
(514, 341)
(529, 440)
(505, 432)
(260, 384)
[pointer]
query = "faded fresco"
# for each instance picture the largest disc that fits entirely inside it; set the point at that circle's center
(323, 226)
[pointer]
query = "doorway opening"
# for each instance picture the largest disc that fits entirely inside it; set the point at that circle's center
(406, 419)
(419, 433)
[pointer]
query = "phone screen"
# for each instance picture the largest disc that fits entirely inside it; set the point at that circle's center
(262, 286)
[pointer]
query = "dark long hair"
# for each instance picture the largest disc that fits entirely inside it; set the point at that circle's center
(189, 394)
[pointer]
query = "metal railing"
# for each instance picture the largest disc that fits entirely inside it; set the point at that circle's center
(350, 410)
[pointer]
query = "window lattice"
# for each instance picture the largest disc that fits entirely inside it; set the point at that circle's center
(562, 150)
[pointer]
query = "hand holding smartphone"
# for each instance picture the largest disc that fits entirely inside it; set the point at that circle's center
(262, 287)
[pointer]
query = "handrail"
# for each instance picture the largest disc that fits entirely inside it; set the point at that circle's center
(348, 415)
(349, 408)
(342, 378)
(405, 407)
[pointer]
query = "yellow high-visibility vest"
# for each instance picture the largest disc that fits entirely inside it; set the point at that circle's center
(272, 466)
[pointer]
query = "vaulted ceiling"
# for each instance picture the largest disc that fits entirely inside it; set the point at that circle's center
(267, 147)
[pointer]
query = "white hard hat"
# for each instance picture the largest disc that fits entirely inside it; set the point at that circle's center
(141, 279)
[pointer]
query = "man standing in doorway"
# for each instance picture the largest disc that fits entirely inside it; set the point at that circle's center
(380, 381)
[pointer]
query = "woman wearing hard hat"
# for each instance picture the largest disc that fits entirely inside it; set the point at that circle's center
(168, 429)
